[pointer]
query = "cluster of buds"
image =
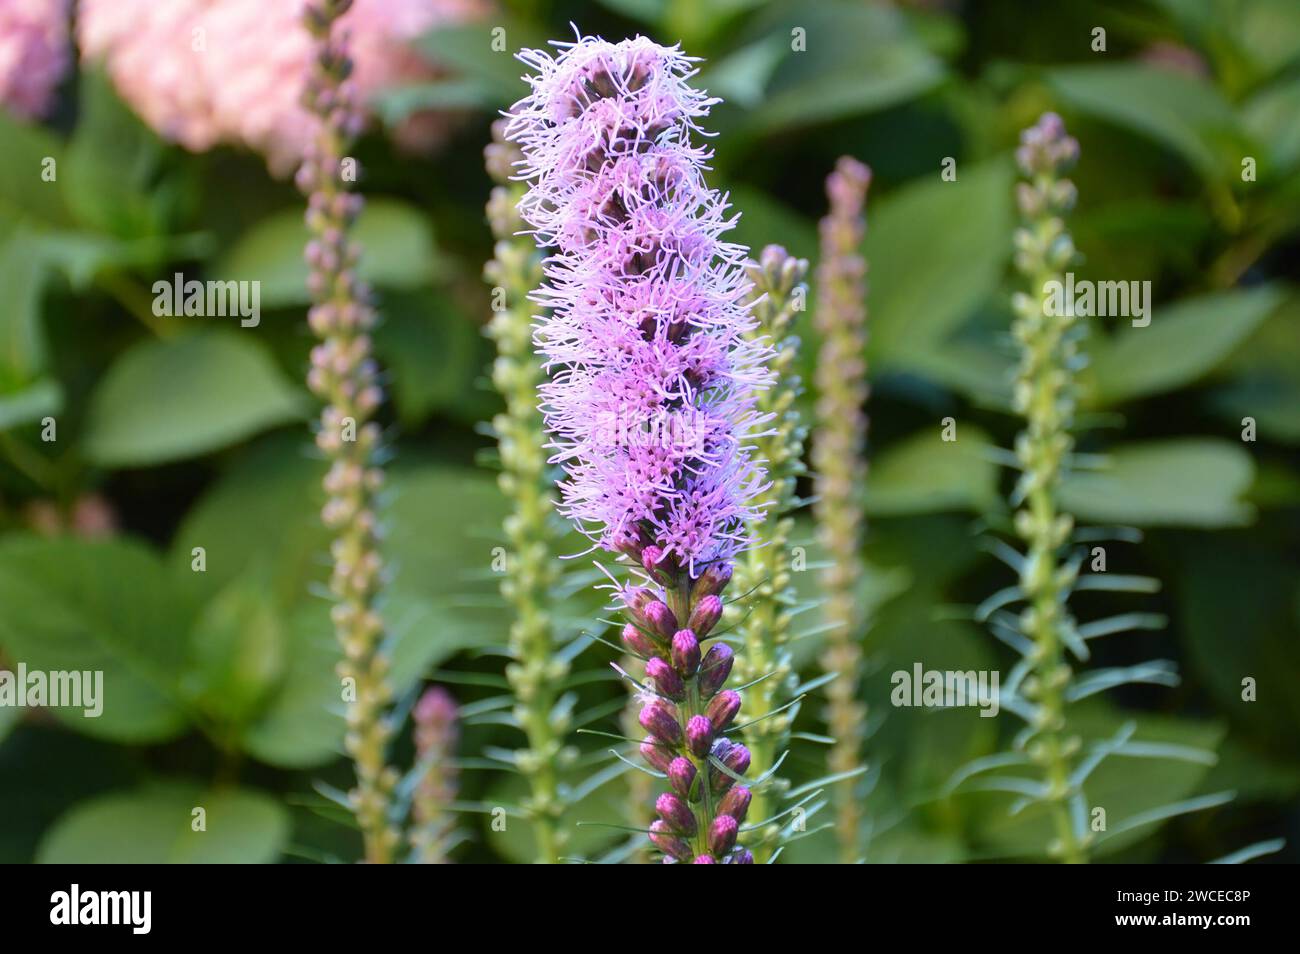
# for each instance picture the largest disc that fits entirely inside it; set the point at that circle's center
(764, 571)
(344, 375)
(436, 734)
(687, 713)
(1044, 396)
(840, 466)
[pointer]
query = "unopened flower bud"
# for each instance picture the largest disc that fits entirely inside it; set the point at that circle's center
(705, 615)
(660, 619)
(637, 642)
(699, 735)
(736, 803)
(722, 708)
(722, 834)
(712, 581)
(659, 722)
(665, 678)
(674, 810)
(715, 668)
(671, 845)
(657, 755)
(681, 775)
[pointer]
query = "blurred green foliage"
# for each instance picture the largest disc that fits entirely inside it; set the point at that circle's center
(191, 432)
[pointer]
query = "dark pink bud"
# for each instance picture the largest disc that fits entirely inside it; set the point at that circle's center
(723, 708)
(636, 599)
(681, 775)
(651, 557)
(736, 803)
(656, 754)
(677, 814)
(660, 619)
(666, 680)
(715, 668)
(706, 614)
(638, 643)
(658, 720)
(722, 834)
(699, 735)
(711, 582)
(671, 845)
(704, 860)
(686, 653)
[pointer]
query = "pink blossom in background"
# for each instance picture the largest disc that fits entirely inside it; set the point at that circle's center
(204, 72)
(33, 54)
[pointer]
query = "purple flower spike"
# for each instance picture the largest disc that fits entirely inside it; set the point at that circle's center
(658, 720)
(686, 653)
(722, 834)
(736, 803)
(665, 678)
(651, 396)
(723, 708)
(670, 844)
(715, 668)
(681, 775)
(706, 614)
(673, 810)
(699, 735)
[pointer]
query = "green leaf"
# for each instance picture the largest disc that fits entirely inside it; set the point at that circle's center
(1183, 342)
(111, 161)
(68, 604)
(1266, 378)
(766, 221)
(1182, 112)
(22, 338)
(1197, 482)
(926, 474)
(240, 650)
(935, 250)
(25, 193)
(397, 239)
(302, 724)
(1270, 117)
(859, 59)
(156, 826)
(433, 350)
(170, 399)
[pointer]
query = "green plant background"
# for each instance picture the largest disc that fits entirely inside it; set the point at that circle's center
(220, 690)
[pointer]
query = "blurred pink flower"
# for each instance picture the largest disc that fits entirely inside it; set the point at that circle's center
(203, 72)
(33, 54)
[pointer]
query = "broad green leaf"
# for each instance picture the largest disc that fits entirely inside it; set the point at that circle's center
(156, 825)
(302, 723)
(240, 649)
(935, 250)
(111, 163)
(925, 473)
(1183, 342)
(1195, 482)
(766, 221)
(68, 604)
(397, 239)
(1265, 379)
(1270, 116)
(29, 180)
(1182, 112)
(166, 400)
(22, 338)
(858, 59)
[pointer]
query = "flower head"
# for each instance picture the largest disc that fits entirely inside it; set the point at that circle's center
(650, 400)
(203, 72)
(33, 54)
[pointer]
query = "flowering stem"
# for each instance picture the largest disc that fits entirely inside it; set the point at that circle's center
(343, 374)
(840, 469)
(436, 734)
(764, 571)
(536, 671)
(1045, 397)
